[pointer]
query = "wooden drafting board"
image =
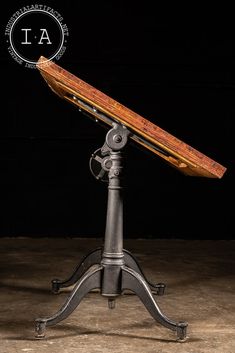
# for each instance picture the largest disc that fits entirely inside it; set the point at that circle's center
(101, 107)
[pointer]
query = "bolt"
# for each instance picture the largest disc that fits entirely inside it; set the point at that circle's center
(117, 138)
(108, 163)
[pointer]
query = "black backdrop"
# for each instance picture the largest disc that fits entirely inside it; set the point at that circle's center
(176, 69)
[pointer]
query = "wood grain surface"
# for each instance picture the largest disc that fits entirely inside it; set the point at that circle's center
(176, 152)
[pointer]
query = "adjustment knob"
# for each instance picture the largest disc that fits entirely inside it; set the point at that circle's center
(100, 165)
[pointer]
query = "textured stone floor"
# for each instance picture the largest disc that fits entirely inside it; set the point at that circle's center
(200, 278)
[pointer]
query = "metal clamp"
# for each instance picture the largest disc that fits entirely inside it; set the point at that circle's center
(100, 161)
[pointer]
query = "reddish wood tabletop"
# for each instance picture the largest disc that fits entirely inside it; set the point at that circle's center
(176, 152)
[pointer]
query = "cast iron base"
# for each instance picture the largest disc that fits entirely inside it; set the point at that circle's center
(110, 269)
(93, 278)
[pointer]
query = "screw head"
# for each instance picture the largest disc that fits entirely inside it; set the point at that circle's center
(117, 138)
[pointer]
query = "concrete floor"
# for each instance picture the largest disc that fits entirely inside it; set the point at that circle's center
(200, 277)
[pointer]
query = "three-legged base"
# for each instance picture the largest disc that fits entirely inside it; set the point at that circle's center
(112, 280)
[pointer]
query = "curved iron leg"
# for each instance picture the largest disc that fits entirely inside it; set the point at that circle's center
(133, 281)
(131, 261)
(90, 280)
(93, 258)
